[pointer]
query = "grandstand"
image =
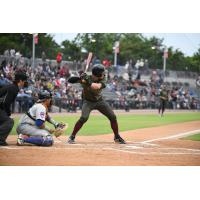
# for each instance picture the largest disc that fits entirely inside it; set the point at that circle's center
(120, 92)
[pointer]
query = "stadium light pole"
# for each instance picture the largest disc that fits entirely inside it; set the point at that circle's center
(115, 59)
(35, 41)
(33, 51)
(116, 51)
(95, 43)
(165, 56)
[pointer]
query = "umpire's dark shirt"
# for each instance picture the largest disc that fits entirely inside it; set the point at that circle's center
(8, 94)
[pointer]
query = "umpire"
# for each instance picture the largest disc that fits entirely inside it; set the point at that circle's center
(92, 99)
(8, 94)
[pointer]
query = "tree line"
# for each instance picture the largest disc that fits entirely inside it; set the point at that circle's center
(132, 47)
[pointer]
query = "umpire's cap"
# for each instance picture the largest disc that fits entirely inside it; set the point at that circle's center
(20, 76)
(98, 70)
(43, 95)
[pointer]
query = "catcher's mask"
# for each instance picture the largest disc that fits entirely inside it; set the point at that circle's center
(43, 96)
(98, 70)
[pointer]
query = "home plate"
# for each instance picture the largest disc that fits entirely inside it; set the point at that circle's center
(57, 141)
(149, 144)
(132, 147)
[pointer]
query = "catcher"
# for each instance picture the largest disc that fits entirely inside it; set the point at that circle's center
(32, 129)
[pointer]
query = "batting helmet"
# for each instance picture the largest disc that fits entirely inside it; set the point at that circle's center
(98, 70)
(43, 95)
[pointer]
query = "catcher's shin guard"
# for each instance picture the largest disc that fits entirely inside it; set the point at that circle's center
(40, 141)
(48, 141)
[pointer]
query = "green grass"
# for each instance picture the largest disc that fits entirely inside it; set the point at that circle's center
(195, 137)
(97, 125)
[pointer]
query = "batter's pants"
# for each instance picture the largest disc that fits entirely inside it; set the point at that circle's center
(101, 106)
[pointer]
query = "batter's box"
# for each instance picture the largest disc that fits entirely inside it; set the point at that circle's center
(156, 151)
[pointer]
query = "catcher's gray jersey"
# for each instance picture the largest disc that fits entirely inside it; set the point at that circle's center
(27, 125)
(37, 111)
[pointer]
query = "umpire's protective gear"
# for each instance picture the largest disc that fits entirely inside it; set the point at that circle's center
(8, 94)
(98, 70)
(6, 125)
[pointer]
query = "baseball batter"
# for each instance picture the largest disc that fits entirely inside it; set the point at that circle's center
(92, 99)
(32, 129)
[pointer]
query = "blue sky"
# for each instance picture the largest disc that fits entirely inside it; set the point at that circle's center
(188, 43)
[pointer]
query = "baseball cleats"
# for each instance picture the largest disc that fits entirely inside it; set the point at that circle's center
(119, 140)
(20, 140)
(71, 140)
(3, 143)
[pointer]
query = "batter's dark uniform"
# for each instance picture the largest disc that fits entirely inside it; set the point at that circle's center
(8, 94)
(92, 99)
(163, 101)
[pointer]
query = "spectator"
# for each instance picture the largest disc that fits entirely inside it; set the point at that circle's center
(174, 96)
(59, 59)
(3, 81)
(43, 57)
(106, 63)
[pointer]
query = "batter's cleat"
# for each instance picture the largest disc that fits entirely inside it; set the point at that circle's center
(119, 140)
(71, 140)
(20, 140)
(3, 143)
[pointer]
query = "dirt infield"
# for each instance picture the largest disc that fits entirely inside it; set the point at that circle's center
(150, 146)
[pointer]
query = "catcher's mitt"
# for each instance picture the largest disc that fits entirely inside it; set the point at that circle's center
(60, 129)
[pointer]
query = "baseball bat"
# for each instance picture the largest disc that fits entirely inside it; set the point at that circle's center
(88, 61)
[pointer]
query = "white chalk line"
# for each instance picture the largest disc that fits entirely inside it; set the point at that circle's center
(173, 136)
(139, 143)
(129, 146)
(133, 147)
(13, 148)
(54, 148)
(155, 153)
(197, 150)
(192, 151)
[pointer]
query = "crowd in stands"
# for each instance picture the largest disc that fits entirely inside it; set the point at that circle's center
(53, 77)
(179, 97)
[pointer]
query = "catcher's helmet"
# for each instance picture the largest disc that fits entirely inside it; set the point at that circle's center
(43, 95)
(20, 76)
(98, 70)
